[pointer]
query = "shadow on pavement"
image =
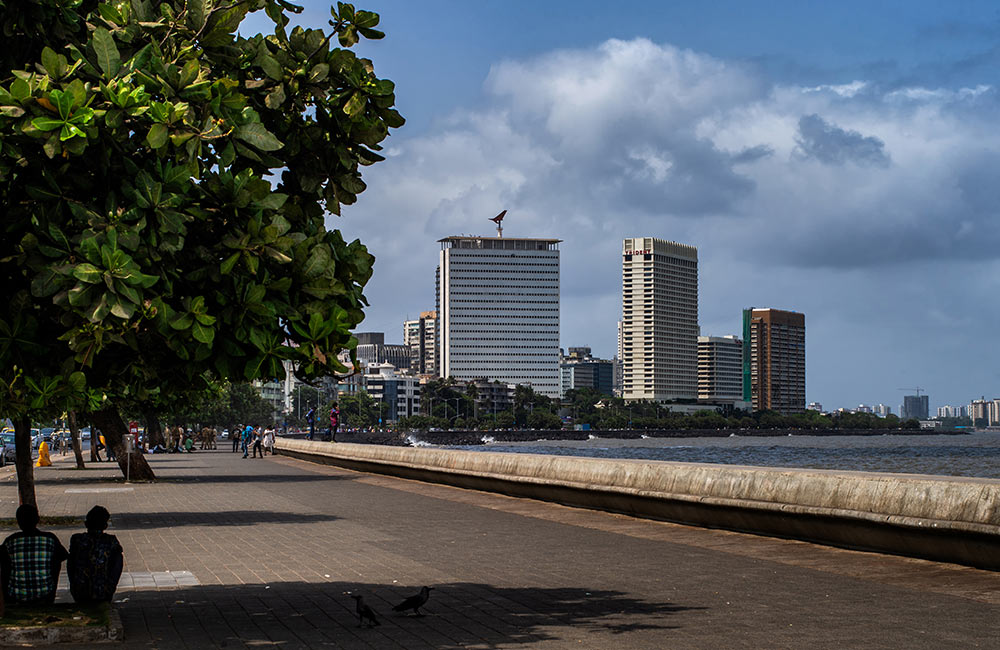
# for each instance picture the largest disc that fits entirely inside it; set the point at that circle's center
(68, 477)
(134, 520)
(458, 615)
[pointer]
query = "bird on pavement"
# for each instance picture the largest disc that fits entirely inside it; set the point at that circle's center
(414, 602)
(365, 612)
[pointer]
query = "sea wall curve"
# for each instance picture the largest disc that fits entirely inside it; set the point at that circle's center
(949, 519)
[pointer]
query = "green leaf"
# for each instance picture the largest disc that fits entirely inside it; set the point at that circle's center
(197, 14)
(50, 61)
(229, 263)
(107, 52)
(319, 72)
(45, 123)
(157, 136)
(202, 334)
(355, 105)
(20, 90)
(87, 273)
(258, 136)
(276, 97)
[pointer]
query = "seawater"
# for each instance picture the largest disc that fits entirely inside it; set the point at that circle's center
(973, 455)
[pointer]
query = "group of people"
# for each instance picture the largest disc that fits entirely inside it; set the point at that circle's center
(334, 423)
(31, 560)
(249, 438)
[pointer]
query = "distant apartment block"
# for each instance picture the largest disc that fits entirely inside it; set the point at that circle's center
(979, 411)
(399, 393)
(659, 330)
(498, 305)
(720, 368)
(372, 350)
(952, 411)
(815, 406)
(882, 410)
(774, 358)
(420, 335)
(579, 369)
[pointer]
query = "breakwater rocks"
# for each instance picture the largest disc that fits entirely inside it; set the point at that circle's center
(464, 438)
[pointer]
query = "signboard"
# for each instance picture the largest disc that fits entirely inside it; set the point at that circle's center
(645, 252)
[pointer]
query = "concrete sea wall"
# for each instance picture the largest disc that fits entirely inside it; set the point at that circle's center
(948, 519)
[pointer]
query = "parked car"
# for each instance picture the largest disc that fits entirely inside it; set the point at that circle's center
(8, 448)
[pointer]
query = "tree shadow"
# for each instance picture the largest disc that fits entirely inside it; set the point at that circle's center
(137, 520)
(458, 615)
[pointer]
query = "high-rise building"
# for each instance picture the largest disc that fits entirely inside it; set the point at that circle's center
(659, 330)
(720, 368)
(915, 406)
(580, 369)
(774, 360)
(420, 335)
(498, 305)
(373, 350)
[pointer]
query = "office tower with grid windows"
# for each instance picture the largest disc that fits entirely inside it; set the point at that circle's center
(720, 368)
(420, 335)
(774, 360)
(498, 310)
(659, 328)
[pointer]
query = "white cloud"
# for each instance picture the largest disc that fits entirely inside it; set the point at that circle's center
(634, 137)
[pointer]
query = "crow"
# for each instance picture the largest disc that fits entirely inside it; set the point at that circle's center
(414, 602)
(365, 612)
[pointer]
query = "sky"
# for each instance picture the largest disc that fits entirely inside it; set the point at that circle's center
(837, 159)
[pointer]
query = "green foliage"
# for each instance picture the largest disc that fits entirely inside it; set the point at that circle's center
(149, 242)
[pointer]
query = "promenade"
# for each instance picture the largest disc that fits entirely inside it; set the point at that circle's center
(233, 553)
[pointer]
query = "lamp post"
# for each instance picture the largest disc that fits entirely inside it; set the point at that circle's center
(456, 400)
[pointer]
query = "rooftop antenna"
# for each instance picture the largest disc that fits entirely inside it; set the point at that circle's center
(498, 220)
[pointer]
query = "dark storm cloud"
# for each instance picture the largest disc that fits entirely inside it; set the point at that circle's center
(752, 154)
(832, 145)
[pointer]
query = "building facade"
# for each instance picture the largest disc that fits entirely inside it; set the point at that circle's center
(420, 336)
(580, 369)
(774, 360)
(720, 368)
(498, 308)
(659, 327)
(915, 406)
(399, 393)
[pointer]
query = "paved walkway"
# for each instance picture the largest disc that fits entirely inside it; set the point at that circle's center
(232, 553)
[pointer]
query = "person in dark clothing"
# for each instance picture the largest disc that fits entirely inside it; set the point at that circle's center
(235, 435)
(30, 561)
(311, 419)
(334, 422)
(95, 560)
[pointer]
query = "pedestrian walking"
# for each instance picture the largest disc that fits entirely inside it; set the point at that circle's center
(311, 419)
(236, 435)
(245, 440)
(334, 422)
(258, 441)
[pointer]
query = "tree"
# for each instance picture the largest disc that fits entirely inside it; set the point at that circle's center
(148, 242)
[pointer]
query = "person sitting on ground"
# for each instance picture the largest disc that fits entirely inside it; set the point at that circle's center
(95, 560)
(189, 443)
(30, 561)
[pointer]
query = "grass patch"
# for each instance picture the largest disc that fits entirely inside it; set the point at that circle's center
(10, 522)
(61, 615)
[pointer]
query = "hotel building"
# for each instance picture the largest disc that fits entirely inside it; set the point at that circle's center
(659, 328)
(498, 309)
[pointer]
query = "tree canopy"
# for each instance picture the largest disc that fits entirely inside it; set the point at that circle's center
(165, 183)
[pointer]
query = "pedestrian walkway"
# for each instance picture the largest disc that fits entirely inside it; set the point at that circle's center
(246, 553)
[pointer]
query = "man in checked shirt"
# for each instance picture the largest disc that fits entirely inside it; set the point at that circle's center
(30, 561)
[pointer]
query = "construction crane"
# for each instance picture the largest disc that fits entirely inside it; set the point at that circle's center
(918, 389)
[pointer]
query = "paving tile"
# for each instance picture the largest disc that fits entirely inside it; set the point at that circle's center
(224, 553)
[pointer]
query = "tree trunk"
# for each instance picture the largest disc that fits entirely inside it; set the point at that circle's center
(22, 461)
(110, 422)
(74, 431)
(154, 433)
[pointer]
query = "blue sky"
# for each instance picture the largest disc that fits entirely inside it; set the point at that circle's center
(838, 159)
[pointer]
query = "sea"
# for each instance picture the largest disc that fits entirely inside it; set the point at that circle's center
(971, 455)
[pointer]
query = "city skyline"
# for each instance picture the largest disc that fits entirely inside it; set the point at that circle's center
(833, 160)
